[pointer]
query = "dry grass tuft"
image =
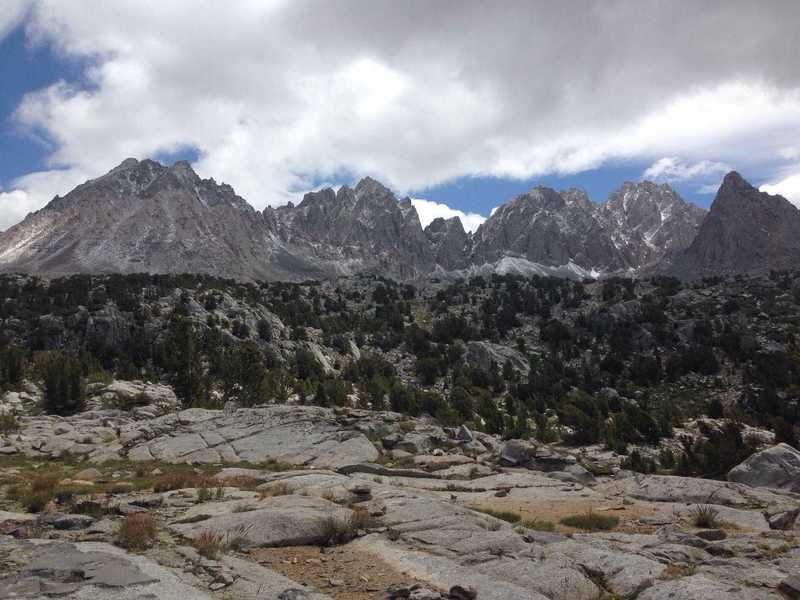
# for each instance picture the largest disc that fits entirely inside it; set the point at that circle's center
(591, 521)
(137, 531)
(208, 544)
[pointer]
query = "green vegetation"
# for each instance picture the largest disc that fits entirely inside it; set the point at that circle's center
(618, 362)
(591, 521)
(503, 515)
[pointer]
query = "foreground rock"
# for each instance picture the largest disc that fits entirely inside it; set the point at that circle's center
(777, 467)
(89, 570)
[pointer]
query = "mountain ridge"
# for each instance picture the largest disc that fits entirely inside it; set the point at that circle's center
(144, 216)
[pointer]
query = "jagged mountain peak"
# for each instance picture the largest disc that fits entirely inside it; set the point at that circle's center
(369, 187)
(440, 224)
(746, 230)
(734, 180)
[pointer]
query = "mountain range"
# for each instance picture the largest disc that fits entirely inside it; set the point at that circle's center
(146, 217)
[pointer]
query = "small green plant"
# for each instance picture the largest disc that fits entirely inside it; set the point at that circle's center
(591, 521)
(204, 493)
(704, 515)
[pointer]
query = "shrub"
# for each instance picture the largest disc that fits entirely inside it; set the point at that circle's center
(137, 531)
(8, 423)
(704, 515)
(591, 521)
(37, 501)
(41, 491)
(63, 384)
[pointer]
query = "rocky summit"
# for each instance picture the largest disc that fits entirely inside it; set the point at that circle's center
(745, 231)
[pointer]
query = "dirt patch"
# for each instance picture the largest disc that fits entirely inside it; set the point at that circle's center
(553, 510)
(342, 572)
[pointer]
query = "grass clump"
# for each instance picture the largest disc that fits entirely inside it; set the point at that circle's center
(178, 481)
(705, 516)
(504, 515)
(539, 525)
(137, 532)
(208, 544)
(336, 531)
(591, 521)
(41, 491)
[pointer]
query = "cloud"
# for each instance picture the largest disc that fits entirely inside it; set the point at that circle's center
(12, 12)
(788, 187)
(275, 96)
(33, 191)
(429, 210)
(673, 169)
(14, 206)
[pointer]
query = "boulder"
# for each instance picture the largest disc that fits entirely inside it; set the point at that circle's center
(277, 521)
(517, 453)
(90, 474)
(777, 467)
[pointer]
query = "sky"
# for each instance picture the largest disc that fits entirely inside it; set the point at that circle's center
(459, 104)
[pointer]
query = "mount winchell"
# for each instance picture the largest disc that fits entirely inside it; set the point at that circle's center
(146, 217)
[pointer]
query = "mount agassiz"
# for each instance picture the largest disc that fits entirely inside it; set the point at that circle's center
(146, 217)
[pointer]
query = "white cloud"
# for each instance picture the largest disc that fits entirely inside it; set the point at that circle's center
(672, 169)
(788, 187)
(429, 210)
(14, 206)
(12, 13)
(278, 95)
(33, 191)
